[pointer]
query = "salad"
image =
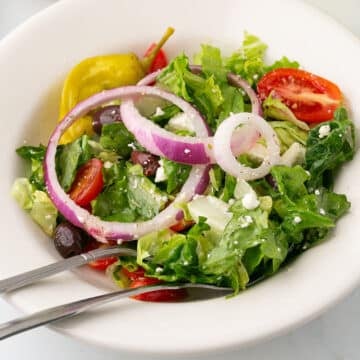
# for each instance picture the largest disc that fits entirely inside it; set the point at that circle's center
(217, 169)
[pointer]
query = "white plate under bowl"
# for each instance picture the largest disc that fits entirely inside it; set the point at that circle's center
(33, 62)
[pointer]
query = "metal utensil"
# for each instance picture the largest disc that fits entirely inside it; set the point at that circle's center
(74, 308)
(27, 278)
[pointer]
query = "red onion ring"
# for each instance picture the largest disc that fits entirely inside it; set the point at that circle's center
(104, 231)
(225, 157)
(183, 149)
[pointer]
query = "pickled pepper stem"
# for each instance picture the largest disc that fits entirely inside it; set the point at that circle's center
(148, 60)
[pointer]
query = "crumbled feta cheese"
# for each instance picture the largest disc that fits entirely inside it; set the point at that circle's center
(186, 263)
(119, 241)
(159, 269)
(159, 111)
(160, 174)
(324, 131)
(245, 221)
(132, 146)
(322, 211)
(297, 220)
(108, 164)
(181, 122)
(317, 192)
(250, 201)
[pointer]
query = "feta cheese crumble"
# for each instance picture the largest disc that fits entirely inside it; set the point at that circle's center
(160, 173)
(297, 219)
(250, 201)
(159, 111)
(324, 131)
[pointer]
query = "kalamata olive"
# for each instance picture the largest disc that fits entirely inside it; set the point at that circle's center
(69, 240)
(271, 181)
(105, 115)
(149, 162)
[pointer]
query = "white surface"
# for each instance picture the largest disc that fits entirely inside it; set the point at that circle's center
(331, 337)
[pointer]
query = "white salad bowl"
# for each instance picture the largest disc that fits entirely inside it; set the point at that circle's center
(34, 60)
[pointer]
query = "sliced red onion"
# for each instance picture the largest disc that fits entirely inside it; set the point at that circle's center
(223, 153)
(183, 149)
(104, 230)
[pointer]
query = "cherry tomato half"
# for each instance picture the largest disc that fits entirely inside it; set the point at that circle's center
(88, 183)
(160, 60)
(157, 295)
(181, 225)
(100, 264)
(310, 97)
(137, 274)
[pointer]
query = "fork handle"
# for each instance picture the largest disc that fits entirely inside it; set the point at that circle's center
(27, 278)
(71, 309)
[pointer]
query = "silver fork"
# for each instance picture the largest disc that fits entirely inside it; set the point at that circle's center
(74, 308)
(29, 277)
(71, 309)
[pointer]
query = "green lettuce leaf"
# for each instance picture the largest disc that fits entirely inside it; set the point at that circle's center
(302, 211)
(205, 94)
(284, 62)
(143, 195)
(176, 175)
(34, 156)
(37, 203)
(248, 60)
(112, 203)
(274, 108)
(116, 137)
(69, 158)
(324, 154)
(288, 133)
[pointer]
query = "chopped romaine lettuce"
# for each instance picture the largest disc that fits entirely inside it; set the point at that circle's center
(274, 108)
(324, 154)
(248, 60)
(34, 155)
(288, 133)
(176, 174)
(22, 191)
(37, 203)
(143, 195)
(69, 158)
(116, 137)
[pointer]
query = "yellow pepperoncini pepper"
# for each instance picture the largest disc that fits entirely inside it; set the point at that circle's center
(98, 73)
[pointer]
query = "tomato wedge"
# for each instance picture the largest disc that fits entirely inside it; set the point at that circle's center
(157, 295)
(88, 183)
(182, 225)
(100, 264)
(160, 60)
(310, 97)
(138, 279)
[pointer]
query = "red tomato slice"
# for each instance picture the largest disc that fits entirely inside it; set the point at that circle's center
(88, 183)
(137, 274)
(101, 264)
(157, 295)
(160, 60)
(310, 97)
(181, 225)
